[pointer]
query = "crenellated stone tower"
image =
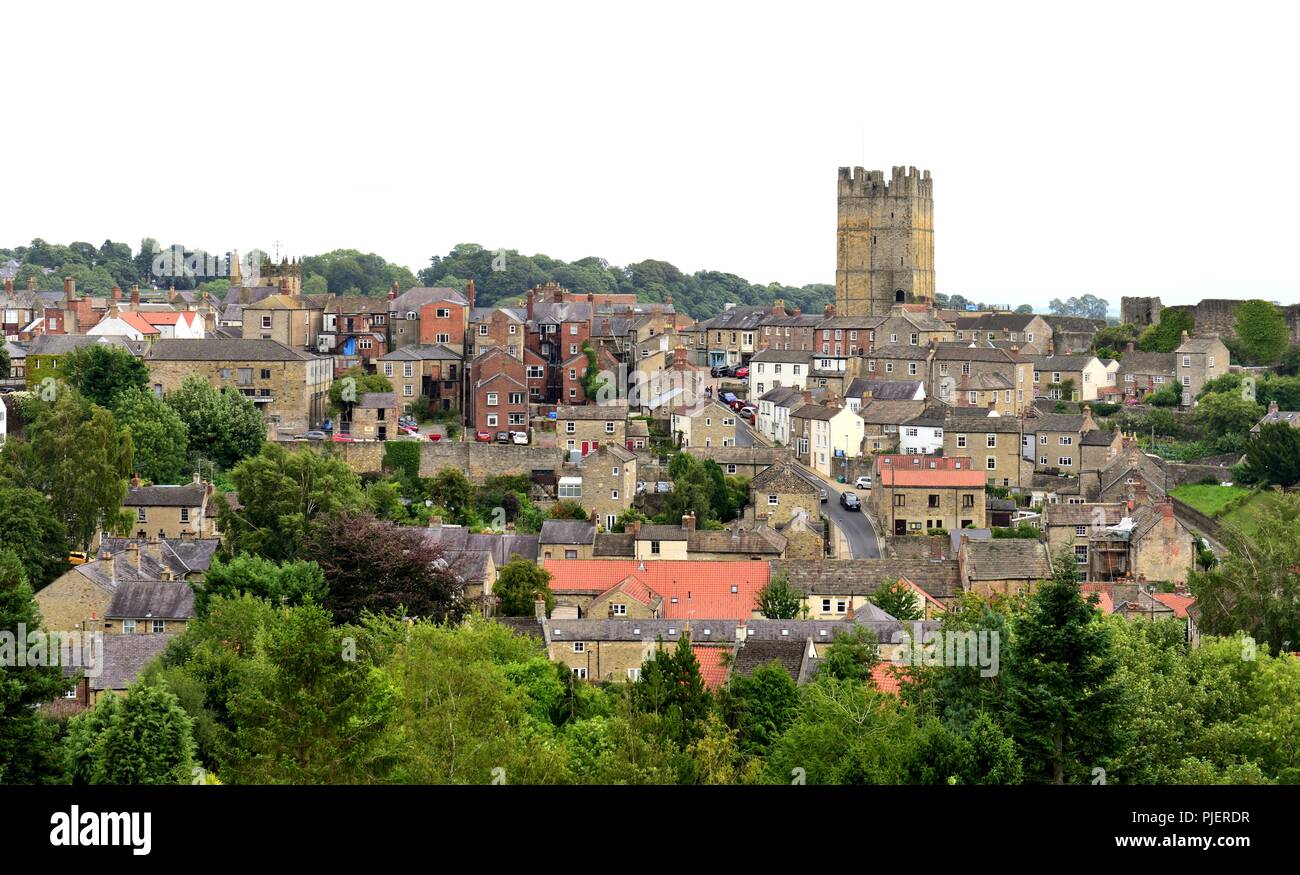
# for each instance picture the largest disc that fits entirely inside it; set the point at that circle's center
(884, 240)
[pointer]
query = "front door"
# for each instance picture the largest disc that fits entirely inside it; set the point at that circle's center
(900, 527)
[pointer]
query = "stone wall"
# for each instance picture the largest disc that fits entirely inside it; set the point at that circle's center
(477, 460)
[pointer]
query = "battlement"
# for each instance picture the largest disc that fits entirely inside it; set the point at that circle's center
(903, 182)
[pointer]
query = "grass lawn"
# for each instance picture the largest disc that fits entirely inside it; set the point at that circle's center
(1208, 499)
(1247, 517)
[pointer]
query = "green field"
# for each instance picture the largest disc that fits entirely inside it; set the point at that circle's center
(1208, 499)
(1247, 517)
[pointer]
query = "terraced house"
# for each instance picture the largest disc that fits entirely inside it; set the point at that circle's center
(994, 445)
(913, 494)
(982, 377)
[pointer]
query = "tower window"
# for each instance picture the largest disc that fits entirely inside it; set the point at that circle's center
(898, 295)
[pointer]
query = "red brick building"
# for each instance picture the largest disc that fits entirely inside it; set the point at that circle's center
(498, 392)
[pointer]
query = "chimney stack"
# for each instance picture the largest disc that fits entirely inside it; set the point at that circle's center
(135, 296)
(531, 295)
(1128, 347)
(633, 527)
(469, 292)
(807, 396)
(31, 284)
(688, 522)
(829, 311)
(9, 287)
(69, 290)
(392, 290)
(1184, 335)
(135, 481)
(1272, 406)
(539, 607)
(778, 307)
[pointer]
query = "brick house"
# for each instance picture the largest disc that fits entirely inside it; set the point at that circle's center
(503, 327)
(428, 315)
(498, 395)
(374, 417)
(354, 329)
(788, 331)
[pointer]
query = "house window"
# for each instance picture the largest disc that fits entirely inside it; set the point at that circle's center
(731, 469)
(609, 428)
(840, 606)
(141, 515)
(580, 674)
(159, 627)
(185, 514)
(492, 399)
(492, 420)
(1065, 461)
(388, 369)
(483, 329)
(991, 463)
(1081, 554)
(1187, 361)
(900, 500)
(266, 373)
(961, 441)
(266, 321)
(570, 427)
(408, 370)
(408, 390)
(128, 627)
(654, 548)
(934, 501)
(772, 500)
(1066, 440)
(990, 440)
(441, 338)
(826, 606)
(968, 500)
(1080, 531)
(634, 674)
(442, 313)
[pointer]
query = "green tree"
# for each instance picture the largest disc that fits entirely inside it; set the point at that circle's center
(28, 750)
(223, 427)
(898, 600)
(778, 600)
(567, 509)
(281, 494)
(77, 456)
(288, 583)
(1166, 396)
(1228, 418)
(307, 713)
(452, 489)
(1167, 334)
(1063, 701)
(1255, 588)
(671, 688)
(101, 372)
(1262, 333)
(518, 586)
(1273, 455)
(157, 433)
(761, 706)
(349, 386)
(36, 536)
(851, 656)
(144, 737)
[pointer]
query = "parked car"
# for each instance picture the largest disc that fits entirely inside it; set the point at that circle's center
(519, 437)
(749, 410)
(343, 439)
(313, 436)
(407, 419)
(825, 495)
(850, 501)
(483, 437)
(663, 486)
(862, 483)
(409, 429)
(742, 372)
(721, 371)
(503, 437)
(434, 436)
(737, 405)
(78, 557)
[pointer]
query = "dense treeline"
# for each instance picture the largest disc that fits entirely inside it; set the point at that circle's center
(499, 275)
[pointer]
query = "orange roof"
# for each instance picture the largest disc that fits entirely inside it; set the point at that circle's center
(1179, 603)
(138, 322)
(920, 470)
(1105, 603)
(934, 602)
(156, 317)
(634, 589)
(689, 589)
(712, 668)
(885, 676)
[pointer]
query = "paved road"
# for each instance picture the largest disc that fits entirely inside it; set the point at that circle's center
(855, 524)
(744, 437)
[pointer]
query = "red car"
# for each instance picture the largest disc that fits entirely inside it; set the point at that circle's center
(482, 437)
(737, 404)
(343, 439)
(409, 429)
(435, 437)
(742, 373)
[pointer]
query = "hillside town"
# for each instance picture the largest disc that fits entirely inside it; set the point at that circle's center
(629, 487)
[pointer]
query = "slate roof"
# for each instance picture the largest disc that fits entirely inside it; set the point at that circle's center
(1048, 363)
(588, 629)
(1200, 344)
(736, 319)
(756, 540)
(163, 600)
(521, 625)
(615, 410)
(377, 400)
(1290, 417)
(1150, 468)
(864, 576)
(964, 352)
(1147, 363)
(781, 396)
(662, 533)
(891, 412)
(1066, 422)
(1097, 438)
(414, 298)
(790, 654)
(817, 411)
(125, 657)
(615, 545)
(740, 455)
(1107, 513)
(62, 344)
(1005, 559)
(851, 323)
(884, 390)
(782, 477)
(567, 532)
(187, 495)
(1003, 321)
(501, 546)
(933, 416)
(899, 351)
(782, 355)
(182, 556)
(983, 425)
(217, 349)
(421, 352)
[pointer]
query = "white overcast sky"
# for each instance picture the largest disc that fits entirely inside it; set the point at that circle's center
(1129, 148)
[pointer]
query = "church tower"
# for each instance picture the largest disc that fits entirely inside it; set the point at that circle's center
(884, 241)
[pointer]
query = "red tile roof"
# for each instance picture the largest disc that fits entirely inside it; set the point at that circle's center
(1104, 591)
(713, 670)
(1179, 603)
(138, 322)
(885, 676)
(902, 470)
(633, 588)
(702, 589)
(165, 317)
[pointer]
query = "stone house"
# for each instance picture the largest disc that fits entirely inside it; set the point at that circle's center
(1199, 360)
(1069, 527)
(374, 417)
(773, 368)
(730, 336)
(609, 475)
(123, 660)
(747, 462)
(1054, 441)
(912, 494)
(503, 327)
(1275, 414)
(1142, 373)
(566, 539)
(289, 319)
(149, 607)
(981, 377)
(1081, 377)
(613, 650)
(172, 511)
(1148, 544)
(289, 386)
(1002, 566)
(896, 361)
(435, 372)
(704, 425)
(993, 444)
(780, 492)
(585, 427)
(1029, 331)
(825, 583)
